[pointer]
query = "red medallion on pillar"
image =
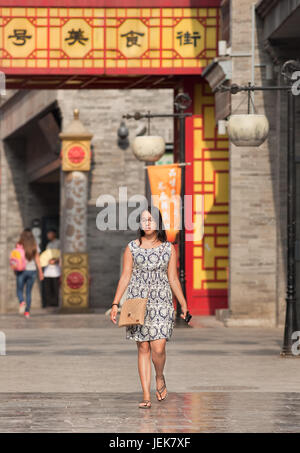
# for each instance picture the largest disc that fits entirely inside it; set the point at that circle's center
(76, 155)
(76, 149)
(75, 280)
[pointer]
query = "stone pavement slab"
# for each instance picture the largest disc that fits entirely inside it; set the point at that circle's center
(199, 412)
(71, 373)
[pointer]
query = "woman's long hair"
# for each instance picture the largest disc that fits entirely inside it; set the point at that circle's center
(155, 213)
(29, 244)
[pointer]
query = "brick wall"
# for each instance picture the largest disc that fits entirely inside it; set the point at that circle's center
(257, 188)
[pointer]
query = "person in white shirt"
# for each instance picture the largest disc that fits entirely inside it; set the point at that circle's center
(52, 273)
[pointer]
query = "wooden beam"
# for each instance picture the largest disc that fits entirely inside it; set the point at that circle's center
(45, 170)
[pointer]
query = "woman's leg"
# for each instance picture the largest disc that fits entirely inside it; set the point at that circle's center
(47, 291)
(44, 293)
(56, 291)
(158, 349)
(20, 285)
(144, 366)
(30, 281)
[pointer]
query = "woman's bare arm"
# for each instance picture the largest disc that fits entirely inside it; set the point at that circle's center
(38, 265)
(125, 276)
(174, 280)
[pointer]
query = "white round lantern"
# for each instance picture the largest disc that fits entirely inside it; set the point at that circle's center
(248, 129)
(148, 148)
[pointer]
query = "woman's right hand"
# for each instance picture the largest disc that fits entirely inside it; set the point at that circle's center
(113, 314)
(41, 275)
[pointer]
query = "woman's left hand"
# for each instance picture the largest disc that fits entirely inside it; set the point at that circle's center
(184, 312)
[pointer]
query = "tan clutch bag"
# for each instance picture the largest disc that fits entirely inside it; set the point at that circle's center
(133, 311)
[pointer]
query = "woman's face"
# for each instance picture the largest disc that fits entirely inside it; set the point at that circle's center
(148, 223)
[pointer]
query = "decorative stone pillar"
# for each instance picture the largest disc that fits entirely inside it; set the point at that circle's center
(76, 163)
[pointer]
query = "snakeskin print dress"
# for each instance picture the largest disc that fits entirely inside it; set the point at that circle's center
(150, 271)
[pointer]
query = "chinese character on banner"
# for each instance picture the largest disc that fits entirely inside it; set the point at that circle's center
(165, 184)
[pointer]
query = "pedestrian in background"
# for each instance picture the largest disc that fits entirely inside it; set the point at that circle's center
(52, 271)
(149, 264)
(26, 278)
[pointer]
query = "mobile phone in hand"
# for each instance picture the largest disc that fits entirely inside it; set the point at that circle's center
(188, 317)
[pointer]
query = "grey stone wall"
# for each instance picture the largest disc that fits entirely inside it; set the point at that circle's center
(257, 188)
(253, 177)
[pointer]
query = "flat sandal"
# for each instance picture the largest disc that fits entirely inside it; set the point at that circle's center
(161, 390)
(145, 404)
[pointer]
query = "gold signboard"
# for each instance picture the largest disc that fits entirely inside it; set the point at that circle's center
(108, 40)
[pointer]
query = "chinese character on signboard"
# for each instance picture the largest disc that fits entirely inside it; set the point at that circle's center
(188, 38)
(132, 38)
(76, 35)
(20, 35)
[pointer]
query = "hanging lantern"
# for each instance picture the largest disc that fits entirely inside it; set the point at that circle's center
(248, 129)
(148, 148)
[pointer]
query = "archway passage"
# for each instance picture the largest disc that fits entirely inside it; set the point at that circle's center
(89, 46)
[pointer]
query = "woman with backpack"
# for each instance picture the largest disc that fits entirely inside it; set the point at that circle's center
(25, 261)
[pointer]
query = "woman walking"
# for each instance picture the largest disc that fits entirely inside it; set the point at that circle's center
(28, 276)
(149, 263)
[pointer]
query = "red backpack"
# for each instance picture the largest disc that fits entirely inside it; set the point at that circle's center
(17, 260)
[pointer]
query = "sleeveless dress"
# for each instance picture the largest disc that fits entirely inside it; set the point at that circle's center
(150, 271)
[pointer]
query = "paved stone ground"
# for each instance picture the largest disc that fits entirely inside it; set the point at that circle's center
(78, 373)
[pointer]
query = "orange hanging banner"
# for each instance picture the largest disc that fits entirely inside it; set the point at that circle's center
(165, 184)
